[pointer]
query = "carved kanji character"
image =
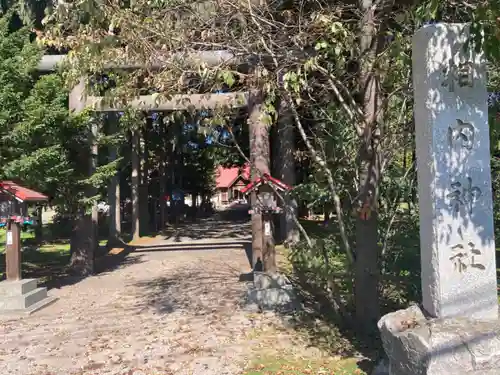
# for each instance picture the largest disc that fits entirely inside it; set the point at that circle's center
(462, 132)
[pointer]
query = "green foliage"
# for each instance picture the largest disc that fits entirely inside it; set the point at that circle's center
(40, 141)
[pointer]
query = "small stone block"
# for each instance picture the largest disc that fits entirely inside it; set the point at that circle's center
(273, 298)
(30, 310)
(264, 280)
(17, 288)
(456, 346)
(23, 301)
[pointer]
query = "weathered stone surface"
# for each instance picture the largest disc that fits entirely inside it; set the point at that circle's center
(417, 346)
(272, 292)
(264, 280)
(454, 176)
(17, 287)
(22, 296)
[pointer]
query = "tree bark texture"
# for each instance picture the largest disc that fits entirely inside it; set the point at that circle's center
(161, 174)
(82, 256)
(286, 171)
(135, 180)
(367, 249)
(83, 242)
(260, 163)
(94, 152)
(114, 199)
(144, 178)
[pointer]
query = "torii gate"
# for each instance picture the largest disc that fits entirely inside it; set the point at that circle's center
(78, 101)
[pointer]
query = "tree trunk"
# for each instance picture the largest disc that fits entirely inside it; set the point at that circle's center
(260, 163)
(82, 259)
(161, 173)
(94, 225)
(286, 172)
(135, 183)
(114, 188)
(367, 250)
(144, 185)
(39, 225)
(84, 239)
(172, 152)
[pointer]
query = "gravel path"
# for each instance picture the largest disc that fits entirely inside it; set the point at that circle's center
(175, 311)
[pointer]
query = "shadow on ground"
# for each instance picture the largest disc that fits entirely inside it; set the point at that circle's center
(232, 223)
(331, 327)
(246, 246)
(51, 267)
(329, 317)
(200, 290)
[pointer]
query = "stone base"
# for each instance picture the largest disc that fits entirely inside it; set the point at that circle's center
(22, 296)
(419, 346)
(272, 292)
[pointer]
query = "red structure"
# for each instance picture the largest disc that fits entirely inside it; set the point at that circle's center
(21, 193)
(229, 183)
(265, 179)
(263, 190)
(14, 200)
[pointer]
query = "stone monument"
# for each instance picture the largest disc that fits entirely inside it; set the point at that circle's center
(454, 176)
(457, 330)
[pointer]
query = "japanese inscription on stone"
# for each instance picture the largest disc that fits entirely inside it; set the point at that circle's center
(461, 74)
(465, 256)
(463, 196)
(454, 174)
(462, 133)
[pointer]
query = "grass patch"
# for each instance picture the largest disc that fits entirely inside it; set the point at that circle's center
(284, 366)
(25, 235)
(40, 261)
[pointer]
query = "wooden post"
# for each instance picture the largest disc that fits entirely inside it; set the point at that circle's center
(268, 251)
(260, 160)
(13, 251)
(257, 236)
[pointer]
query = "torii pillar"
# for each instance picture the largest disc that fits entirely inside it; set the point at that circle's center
(260, 165)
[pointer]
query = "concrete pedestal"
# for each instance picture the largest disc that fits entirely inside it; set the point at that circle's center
(272, 292)
(23, 296)
(419, 346)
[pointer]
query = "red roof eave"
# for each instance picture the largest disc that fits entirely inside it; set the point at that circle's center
(265, 178)
(22, 193)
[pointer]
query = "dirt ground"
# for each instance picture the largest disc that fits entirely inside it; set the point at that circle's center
(172, 307)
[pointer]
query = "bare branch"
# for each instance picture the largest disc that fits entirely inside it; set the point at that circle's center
(329, 177)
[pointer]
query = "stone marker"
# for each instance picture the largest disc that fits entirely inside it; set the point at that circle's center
(459, 285)
(454, 177)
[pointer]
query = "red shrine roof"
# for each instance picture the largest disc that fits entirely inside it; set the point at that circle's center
(21, 193)
(266, 178)
(226, 177)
